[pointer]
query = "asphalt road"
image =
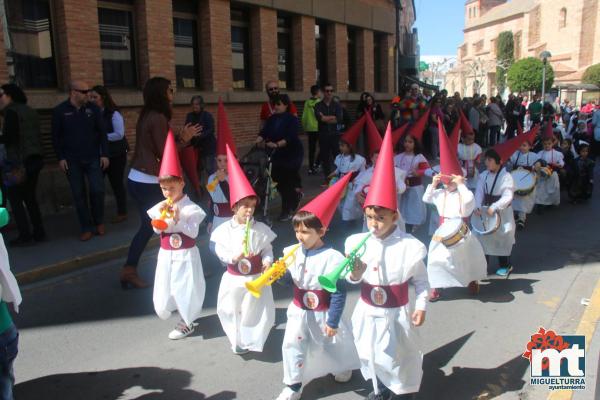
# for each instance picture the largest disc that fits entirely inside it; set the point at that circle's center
(82, 337)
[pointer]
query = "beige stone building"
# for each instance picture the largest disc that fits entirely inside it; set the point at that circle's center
(570, 31)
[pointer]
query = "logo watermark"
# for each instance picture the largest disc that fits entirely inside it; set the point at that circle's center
(557, 361)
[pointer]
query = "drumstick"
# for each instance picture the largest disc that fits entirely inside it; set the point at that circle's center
(482, 222)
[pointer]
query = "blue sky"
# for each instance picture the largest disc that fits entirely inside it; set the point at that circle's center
(440, 24)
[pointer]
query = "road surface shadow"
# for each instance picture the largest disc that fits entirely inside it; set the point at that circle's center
(145, 383)
(492, 290)
(468, 383)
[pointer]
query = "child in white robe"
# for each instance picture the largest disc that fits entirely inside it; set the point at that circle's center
(462, 264)
(548, 186)
(414, 164)
(523, 205)
(468, 155)
(348, 162)
(494, 194)
(218, 189)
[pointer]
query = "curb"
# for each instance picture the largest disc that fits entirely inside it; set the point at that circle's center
(586, 327)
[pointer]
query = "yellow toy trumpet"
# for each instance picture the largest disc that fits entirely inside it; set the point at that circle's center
(167, 212)
(273, 273)
(212, 185)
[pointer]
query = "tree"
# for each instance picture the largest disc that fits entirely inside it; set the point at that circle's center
(592, 75)
(526, 75)
(505, 50)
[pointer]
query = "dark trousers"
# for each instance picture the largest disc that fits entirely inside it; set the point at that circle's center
(288, 180)
(494, 135)
(24, 196)
(145, 195)
(511, 127)
(313, 138)
(328, 150)
(9, 347)
(115, 173)
(77, 174)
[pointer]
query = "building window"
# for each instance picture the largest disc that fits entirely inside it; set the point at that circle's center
(117, 45)
(470, 12)
(28, 41)
(240, 48)
(563, 18)
(352, 86)
(321, 48)
(377, 61)
(517, 39)
(185, 32)
(284, 52)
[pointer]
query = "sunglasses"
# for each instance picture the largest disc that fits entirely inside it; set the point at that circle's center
(328, 90)
(82, 91)
(272, 89)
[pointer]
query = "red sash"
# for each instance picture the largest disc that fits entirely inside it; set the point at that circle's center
(176, 241)
(311, 300)
(390, 296)
(246, 266)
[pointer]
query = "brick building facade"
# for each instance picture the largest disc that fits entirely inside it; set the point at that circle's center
(215, 48)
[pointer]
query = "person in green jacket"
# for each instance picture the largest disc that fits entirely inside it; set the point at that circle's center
(9, 336)
(311, 127)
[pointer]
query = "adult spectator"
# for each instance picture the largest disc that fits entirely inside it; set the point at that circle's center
(81, 146)
(376, 113)
(478, 115)
(329, 115)
(206, 142)
(281, 135)
(142, 183)
(395, 115)
(412, 105)
(451, 116)
(427, 95)
(311, 127)
(495, 121)
(21, 137)
(346, 120)
(436, 114)
(596, 128)
(268, 107)
(566, 111)
(362, 104)
(512, 116)
(535, 110)
(117, 147)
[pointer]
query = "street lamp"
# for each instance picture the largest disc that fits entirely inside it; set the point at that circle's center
(544, 55)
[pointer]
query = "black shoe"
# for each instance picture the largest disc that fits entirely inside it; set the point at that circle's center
(520, 225)
(20, 242)
(385, 394)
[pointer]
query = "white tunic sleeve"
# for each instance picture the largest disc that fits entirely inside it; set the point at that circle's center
(400, 180)
(559, 159)
(419, 279)
(191, 217)
(428, 195)
(467, 199)
(506, 197)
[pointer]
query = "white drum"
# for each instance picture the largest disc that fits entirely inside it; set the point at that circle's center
(524, 181)
(483, 224)
(451, 232)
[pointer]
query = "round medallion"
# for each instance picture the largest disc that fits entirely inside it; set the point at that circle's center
(378, 296)
(244, 266)
(310, 300)
(175, 241)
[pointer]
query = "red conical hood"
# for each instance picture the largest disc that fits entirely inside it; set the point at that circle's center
(418, 127)
(382, 191)
(455, 135)
(465, 125)
(507, 149)
(397, 134)
(324, 205)
(224, 136)
(169, 164)
(239, 187)
(548, 130)
(449, 164)
(351, 135)
(531, 134)
(373, 137)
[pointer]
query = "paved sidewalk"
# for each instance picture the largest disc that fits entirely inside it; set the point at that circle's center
(64, 252)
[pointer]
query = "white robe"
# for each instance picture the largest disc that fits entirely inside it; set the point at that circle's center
(465, 261)
(9, 288)
(348, 206)
(499, 243)
(467, 154)
(364, 179)
(524, 203)
(217, 197)
(179, 280)
(307, 351)
(411, 207)
(548, 189)
(388, 345)
(246, 320)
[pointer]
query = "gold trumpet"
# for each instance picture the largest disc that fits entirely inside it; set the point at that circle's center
(212, 185)
(273, 273)
(167, 212)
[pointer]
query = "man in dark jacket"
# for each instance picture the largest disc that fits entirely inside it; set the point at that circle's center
(329, 116)
(205, 142)
(81, 145)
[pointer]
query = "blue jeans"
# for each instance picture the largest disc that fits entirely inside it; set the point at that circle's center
(77, 172)
(9, 347)
(145, 195)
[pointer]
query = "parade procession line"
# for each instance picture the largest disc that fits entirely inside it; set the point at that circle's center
(587, 327)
